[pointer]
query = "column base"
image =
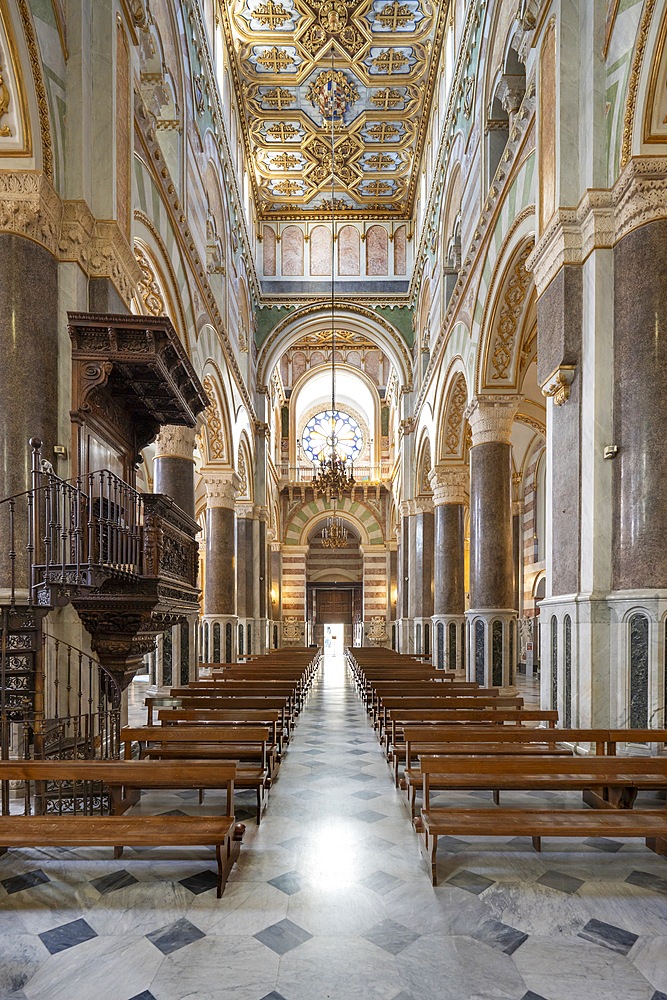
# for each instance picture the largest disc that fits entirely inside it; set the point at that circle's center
(219, 643)
(404, 636)
(491, 645)
(449, 643)
(603, 658)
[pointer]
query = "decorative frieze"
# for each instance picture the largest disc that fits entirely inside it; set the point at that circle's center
(491, 417)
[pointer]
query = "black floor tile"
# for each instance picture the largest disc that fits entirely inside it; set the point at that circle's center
(283, 936)
(391, 936)
(470, 881)
(647, 881)
(115, 880)
(67, 936)
(201, 882)
(17, 883)
(608, 936)
(501, 936)
(175, 936)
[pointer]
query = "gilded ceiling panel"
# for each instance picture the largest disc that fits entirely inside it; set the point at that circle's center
(364, 72)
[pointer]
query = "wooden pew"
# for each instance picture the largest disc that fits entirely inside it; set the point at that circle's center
(227, 717)
(250, 745)
(124, 779)
(124, 831)
(496, 721)
(625, 776)
(391, 705)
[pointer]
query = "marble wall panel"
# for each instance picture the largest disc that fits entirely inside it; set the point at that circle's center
(377, 254)
(292, 251)
(400, 251)
(269, 251)
(349, 251)
(320, 251)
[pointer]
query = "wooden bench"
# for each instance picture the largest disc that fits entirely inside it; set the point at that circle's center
(539, 823)
(125, 831)
(229, 717)
(126, 778)
(249, 745)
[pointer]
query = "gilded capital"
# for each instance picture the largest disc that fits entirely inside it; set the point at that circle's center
(221, 488)
(491, 417)
(423, 505)
(449, 484)
(174, 441)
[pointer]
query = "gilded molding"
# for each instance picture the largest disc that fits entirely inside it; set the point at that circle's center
(491, 418)
(558, 384)
(174, 441)
(602, 218)
(633, 82)
(40, 91)
(449, 484)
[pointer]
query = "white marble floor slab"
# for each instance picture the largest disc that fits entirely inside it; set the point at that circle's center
(332, 900)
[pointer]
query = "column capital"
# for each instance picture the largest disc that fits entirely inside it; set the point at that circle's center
(253, 511)
(491, 417)
(174, 441)
(221, 488)
(407, 508)
(450, 484)
(423, 505)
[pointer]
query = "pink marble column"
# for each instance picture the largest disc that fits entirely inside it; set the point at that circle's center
(492, 616)
(450, 485)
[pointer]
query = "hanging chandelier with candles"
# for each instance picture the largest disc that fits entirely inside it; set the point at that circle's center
(334, 533)
(333, 473)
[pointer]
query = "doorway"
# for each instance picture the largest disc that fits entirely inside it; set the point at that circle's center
(333, 639)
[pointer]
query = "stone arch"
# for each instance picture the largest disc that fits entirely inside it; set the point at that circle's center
(158, 292)
(317, 317)
(423, 465)
(302, 522)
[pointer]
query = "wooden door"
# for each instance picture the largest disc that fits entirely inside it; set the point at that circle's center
(333, 606)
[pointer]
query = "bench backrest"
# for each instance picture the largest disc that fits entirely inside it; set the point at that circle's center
(195, 734)
(433, 764)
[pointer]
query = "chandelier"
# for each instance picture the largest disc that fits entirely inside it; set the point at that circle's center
(333, 474)
(334, 534)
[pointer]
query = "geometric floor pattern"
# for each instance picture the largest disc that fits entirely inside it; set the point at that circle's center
(331, 898)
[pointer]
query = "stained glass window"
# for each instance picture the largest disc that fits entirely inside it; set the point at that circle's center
(332, 427)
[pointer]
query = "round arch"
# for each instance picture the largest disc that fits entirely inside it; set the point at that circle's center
(315, 318)
(304, 520)
(451, 423)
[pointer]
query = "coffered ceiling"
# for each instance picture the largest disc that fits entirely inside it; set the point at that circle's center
(385, 54)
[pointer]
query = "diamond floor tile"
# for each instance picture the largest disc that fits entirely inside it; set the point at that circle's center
(560, 881)
(67, 936)
(608, 936)
(113, 881)
(17, 883)
(283, 936)
(175, 936)
(470, 881)
(391, 936)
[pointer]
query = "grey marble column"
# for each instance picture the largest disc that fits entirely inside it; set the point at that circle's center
(403, 579)
(173, 471)
(28, 380)
(420, 571)
(492, 616)
(640, 411)
(220, 608)
(450, 493)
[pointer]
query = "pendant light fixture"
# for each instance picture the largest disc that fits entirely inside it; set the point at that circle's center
(333, 473)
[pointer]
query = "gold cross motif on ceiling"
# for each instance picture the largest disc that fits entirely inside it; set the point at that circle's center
(383, 131)
(279, 98)
(379, 161)
(275, 59)
(282, 131)
(285, 161)
(287, 187)
(271, 14)
(394, 15)
(389, 61)
(377, 187)
(386, 98)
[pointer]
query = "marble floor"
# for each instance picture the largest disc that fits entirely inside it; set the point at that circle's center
(332, 898)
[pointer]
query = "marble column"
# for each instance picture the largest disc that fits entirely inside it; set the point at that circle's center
(173, 470)
(28, 378)
(251, 577)
(638, 598)
(220, 608)
(420, 571)
(275, 589)
(450, 494)
(402, 621)
(492, 617)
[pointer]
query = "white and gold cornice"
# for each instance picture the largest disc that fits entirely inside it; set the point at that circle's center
(602, 218)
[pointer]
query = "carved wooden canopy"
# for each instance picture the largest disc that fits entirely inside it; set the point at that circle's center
(130, 376)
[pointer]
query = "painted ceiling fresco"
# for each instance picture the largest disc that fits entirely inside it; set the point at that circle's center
(384, 57)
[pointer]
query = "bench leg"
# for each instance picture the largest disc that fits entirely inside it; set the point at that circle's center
(259, 804)
(434, 848)
(496, 797)
(117, 853)
(537, 843)
(201, 796)
(657, 844)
